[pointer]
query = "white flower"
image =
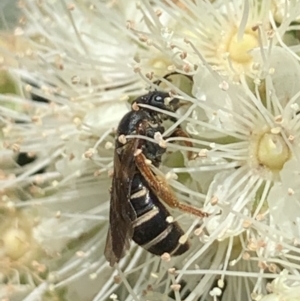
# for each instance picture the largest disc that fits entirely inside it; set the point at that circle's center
(282, 289)
(251, 144)
(57, 150)
(247, 139)
(223, 32)
(241, 81)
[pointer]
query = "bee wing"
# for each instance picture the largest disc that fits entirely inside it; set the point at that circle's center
(121, 212)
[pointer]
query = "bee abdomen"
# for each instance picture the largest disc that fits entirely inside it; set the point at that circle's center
(167, 242)
(152, 231)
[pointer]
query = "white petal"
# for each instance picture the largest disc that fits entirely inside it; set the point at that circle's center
(106, 117)
(284, 200)
(284, 70)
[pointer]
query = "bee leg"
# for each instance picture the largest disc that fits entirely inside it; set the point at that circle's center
(179, 132)
(162, 189)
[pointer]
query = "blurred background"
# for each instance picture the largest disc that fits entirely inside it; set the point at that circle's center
(8, 13)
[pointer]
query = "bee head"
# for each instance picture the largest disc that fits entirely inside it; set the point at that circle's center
(161, 100)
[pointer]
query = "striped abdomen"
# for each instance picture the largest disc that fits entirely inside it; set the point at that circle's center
(152, 231)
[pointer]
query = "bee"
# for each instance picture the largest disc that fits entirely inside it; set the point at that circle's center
(136, 212)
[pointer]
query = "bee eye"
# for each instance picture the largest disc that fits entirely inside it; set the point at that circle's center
(158, 98)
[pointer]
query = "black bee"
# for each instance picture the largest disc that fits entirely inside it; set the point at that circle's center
(135, 210)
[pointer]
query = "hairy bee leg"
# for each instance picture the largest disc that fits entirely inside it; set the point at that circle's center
(162, 190)
(179, 132)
